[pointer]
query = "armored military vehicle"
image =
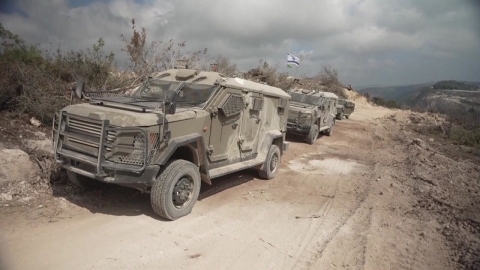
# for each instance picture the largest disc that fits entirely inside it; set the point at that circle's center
(345, 108)
(311, 112)
(181, 127)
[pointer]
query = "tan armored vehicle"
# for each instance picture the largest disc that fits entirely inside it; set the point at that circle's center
(181, 127)
(345, 108)
(311, 112)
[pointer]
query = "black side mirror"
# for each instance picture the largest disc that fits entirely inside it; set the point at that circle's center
(171, 106)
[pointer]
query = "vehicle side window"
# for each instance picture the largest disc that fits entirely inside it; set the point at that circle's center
(282, 104)
(257, 103)
(232, 104)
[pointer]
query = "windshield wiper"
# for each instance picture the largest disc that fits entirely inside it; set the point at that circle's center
(194, 103)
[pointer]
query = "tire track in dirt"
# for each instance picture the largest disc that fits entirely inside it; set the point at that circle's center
(316, 222)
(317, 246)
(318, 238)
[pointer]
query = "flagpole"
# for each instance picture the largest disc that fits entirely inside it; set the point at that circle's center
(296, 70)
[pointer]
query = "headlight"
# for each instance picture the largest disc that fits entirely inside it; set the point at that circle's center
(305, 119)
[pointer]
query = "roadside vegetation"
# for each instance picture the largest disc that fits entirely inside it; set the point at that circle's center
(39, 83)
(392, 104)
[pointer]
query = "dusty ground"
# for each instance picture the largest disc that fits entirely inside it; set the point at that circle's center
(375, 195)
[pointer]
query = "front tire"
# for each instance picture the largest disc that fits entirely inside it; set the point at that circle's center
(271, 164)
(340, 116)
(329, 131)
(176, 190)
(312, 134)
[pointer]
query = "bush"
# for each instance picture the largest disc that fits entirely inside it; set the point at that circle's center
(385, 103)
(39, 83)
(265, 73)
(464, 136)
(93, 66)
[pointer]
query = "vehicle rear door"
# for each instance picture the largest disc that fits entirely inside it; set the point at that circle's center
(251, 124)
(226, 114)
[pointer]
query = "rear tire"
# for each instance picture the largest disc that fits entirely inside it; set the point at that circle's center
(271, 164)
(176, 190)
(346, 116)
(312, 134)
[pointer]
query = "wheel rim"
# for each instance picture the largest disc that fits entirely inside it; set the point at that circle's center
(182, 192)
(274, 163)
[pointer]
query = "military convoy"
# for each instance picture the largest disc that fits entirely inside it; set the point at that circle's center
(345, 108)
(311, 112)
(180, 128)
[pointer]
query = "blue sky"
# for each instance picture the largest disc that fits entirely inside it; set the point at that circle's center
(368, 41)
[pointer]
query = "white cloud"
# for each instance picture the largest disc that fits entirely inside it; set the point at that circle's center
(368, 41)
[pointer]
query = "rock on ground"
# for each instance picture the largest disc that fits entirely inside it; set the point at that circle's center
(15, 165)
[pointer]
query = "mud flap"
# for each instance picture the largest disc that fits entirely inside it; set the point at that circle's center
(285, 146)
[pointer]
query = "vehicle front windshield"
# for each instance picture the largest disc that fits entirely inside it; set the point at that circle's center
(312, 100)
(297, 97)
(189, 94)
(194, 94)
(158, 89)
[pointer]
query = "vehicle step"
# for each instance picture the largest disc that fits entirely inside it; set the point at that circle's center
(214, 173)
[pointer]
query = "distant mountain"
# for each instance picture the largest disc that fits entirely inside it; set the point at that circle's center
(363, 86)
(454, 85)
(399, 94)
(463, 105)
(405, 95)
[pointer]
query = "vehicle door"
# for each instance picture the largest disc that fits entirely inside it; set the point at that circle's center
(226, 116)
(252, 122)
(325, 111)
(330, 111)
(333, 111)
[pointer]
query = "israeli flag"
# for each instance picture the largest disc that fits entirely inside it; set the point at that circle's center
(292, 60)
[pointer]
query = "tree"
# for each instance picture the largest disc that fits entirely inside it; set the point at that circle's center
(329, 77)
(145, 59)
(225, 67)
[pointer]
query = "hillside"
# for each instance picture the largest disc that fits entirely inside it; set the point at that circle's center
(399, 94)
(406, 94)
(454, 85)
(463, 105)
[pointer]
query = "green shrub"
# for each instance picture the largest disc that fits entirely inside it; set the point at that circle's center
(464, 136)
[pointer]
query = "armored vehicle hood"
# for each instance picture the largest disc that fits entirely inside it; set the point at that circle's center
(123, 117)
(301, 107)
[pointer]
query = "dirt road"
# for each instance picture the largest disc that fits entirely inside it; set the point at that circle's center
(339, 204)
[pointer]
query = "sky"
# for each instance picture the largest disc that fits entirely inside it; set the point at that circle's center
(369, 42)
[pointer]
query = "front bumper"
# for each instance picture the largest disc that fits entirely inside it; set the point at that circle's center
(84, 146)
(145, 179)
(297, 129)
